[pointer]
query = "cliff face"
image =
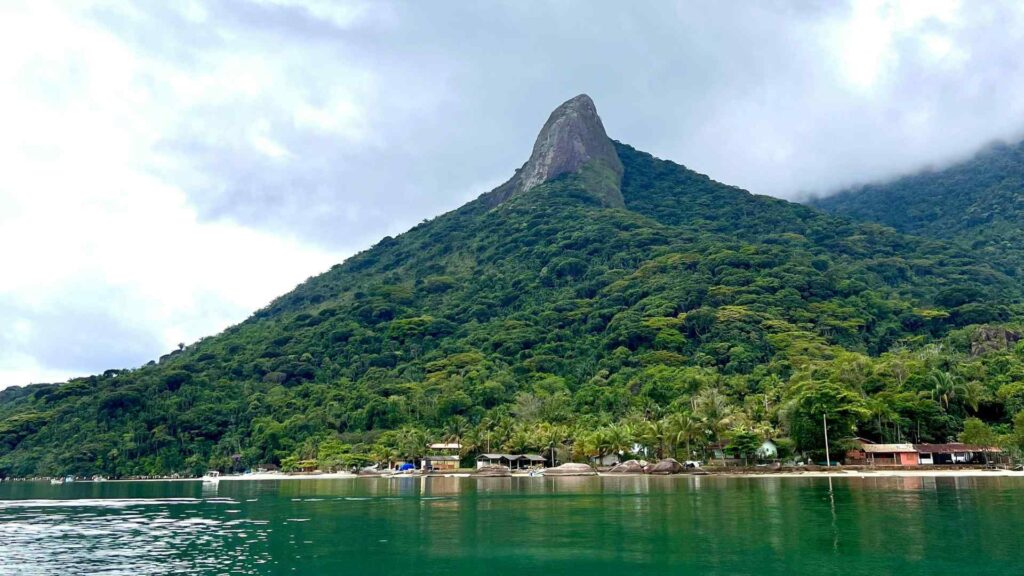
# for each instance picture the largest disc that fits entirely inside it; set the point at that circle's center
(572, 140)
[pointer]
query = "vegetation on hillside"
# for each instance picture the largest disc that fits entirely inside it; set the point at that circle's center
(978, 204)
(698, 314)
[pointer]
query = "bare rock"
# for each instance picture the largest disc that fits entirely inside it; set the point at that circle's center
(666, 466)
(572, 140)
(571, 469)
(627, 467)
(992, 339)
(493, 471)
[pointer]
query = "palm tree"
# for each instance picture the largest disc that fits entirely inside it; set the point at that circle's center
(519, 441)
(684, 428)
(944, 387)
(411, 442)
(655, 434)
(882, 411)
(974, 393)
(456, 428)
(715, 411)
(550, 437)
(383, 455)
(614, 439)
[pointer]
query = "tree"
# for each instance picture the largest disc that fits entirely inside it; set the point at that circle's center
(945, 387)
(744, 442)
(685, 429)
(411, 442)
(811, 400)
(715, 411)
(978, 433)
(974, 393)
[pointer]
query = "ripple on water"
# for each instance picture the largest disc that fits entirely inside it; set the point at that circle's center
(131, 537)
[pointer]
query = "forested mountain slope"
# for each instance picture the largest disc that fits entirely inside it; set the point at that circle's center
(555, 316)
(978, 203)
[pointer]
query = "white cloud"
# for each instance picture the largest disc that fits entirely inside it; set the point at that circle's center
(93, 238)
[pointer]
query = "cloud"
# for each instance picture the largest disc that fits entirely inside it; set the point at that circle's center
(169, 167)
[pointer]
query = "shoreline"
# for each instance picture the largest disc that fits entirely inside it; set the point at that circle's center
(878, 473)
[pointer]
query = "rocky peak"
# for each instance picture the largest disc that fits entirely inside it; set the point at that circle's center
(572, 140)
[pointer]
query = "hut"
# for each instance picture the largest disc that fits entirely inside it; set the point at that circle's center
(512, 461)
(440, 462)
(957, 453)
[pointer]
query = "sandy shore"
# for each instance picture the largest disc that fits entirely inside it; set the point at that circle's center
(893, 473)
(834, 473)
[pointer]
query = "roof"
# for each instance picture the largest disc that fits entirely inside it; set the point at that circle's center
(862, 440)
(888, 448)
(532, 457)
(443, 458)
(445, 446)
(954, 447)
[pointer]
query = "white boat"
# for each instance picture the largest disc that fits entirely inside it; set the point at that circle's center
(211, 477)
(56, 481)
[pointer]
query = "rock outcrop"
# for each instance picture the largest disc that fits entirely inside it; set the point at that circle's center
(992, 339)
(666, 466)
(573, 140)
(571, 469)
(627, 467)
(493, 471)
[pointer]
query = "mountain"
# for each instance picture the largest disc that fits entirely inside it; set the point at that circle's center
(978, 203)
(601, 297)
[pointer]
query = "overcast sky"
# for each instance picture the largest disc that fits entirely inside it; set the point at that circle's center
(165, 171)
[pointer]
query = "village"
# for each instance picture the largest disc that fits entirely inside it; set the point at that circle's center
(447, 458)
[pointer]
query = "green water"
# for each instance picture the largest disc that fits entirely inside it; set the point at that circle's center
(591, 526)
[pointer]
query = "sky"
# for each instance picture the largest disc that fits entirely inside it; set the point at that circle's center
(167, 168)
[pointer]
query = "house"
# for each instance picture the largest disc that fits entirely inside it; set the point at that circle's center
(532, 460)
(891, 454)
(440, 462)
(513, 461)
(868, 453)
(496, 459)
(957, 453)
(767, 451)
(452, 448)
(872, 454)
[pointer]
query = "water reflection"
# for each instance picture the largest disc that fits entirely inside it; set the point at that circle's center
(856, 525)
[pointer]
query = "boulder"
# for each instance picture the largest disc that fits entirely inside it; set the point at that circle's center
(493, 471)
(571, 469)
(666, 466)
(627, 467)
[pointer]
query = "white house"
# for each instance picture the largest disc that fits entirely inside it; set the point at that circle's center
(767, 450)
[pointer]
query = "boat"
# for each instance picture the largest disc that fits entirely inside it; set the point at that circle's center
(56, 481)
(211, 477)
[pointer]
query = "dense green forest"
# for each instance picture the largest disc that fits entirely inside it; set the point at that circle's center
(697, 314)
(978, 203)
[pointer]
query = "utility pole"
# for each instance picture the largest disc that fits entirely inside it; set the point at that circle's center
(828, 458)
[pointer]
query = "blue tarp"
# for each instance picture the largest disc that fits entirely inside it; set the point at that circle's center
(405, 467)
